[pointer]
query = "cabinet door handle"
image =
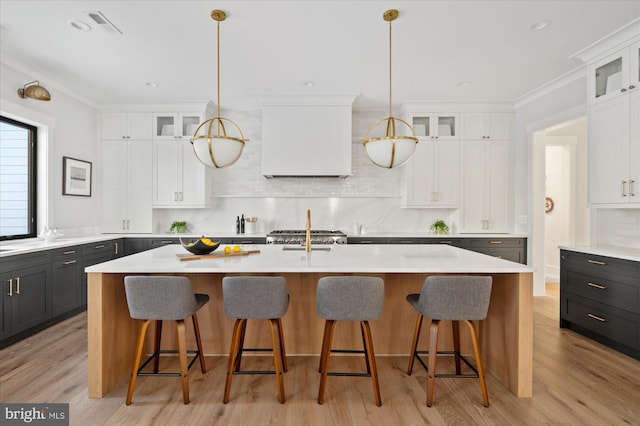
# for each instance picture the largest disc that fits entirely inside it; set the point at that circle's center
(18, 285)
(495, 242)
(596, 262)
(598, 286)
(624, 182)
(631, 194)
(69, 252)
(70, 262)
(124, 227)
(10, 294)
(595, 317)
(127, 224)
(115, 245)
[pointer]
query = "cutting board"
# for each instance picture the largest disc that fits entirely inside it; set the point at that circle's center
(188, 256)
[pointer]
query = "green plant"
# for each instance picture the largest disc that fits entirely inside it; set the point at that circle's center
(439, 227)
(178, 226)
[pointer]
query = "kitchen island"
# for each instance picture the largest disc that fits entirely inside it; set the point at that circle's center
(506, 334)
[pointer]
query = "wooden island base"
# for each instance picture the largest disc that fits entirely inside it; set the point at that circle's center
(506, 335)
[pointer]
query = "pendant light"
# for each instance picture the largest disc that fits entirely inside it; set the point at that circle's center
(34, 91)
(218, 142)
(392, 141)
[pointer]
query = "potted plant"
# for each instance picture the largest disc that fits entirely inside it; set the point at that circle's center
(439, 227)
(178, 227)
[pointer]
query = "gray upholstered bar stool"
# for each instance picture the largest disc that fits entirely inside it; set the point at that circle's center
(160, 298)
(255, 297)
(349, 298)
(454, 298)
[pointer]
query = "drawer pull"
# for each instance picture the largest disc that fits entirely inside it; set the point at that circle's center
(99, 247)
(596, 262)
(69, 252)
(71, 262)
(446, 242)
(366, 242)
(598, 286)
(495, 242)
(595, 317)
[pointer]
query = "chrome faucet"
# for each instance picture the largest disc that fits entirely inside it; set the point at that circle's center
(307, 246)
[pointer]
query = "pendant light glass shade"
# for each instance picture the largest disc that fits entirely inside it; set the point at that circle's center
(390, 141)
(214, 147)
(218, 142)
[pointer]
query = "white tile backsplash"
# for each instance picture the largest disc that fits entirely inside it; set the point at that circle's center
(618, 228)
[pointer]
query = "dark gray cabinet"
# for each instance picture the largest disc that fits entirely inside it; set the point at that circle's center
(242, 240)
(26, 293)
(600, 298)
(513, 249)
(66, 289)
(95, 253)
(135, 245)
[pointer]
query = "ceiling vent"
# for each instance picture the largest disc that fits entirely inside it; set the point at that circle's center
(103, 22)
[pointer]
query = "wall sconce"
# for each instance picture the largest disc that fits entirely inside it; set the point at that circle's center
(36, 92)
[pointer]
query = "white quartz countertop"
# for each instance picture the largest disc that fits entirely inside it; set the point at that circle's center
(357, 258)
(616, 252)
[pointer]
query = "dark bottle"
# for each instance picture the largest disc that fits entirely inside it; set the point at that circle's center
(237, 224)
(242, 224)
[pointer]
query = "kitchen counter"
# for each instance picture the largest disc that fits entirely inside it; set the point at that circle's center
(506, 334)
(616, 252)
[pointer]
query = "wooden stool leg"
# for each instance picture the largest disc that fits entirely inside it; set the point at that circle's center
(196, 330)
(433, 355)
(285, 367)
(182, 355)
(323, 350)
(414, 344)
(158, 338)
(277, 358)
(235, 340)
(136, 360)
(372, 362)
(455, 327)
(238, 354)
(324, 357)
(478, 356)
(364, 345)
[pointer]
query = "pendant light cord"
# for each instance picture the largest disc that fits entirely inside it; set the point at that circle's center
(390, 112)
(218, 106)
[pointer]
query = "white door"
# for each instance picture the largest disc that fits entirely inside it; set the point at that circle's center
(496, 169)
(114, 188)
(446, 172)
(472, 189)
(165, 172)
(140, 172)
(192, 176)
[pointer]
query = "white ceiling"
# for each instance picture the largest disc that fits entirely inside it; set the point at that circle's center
(273, 47)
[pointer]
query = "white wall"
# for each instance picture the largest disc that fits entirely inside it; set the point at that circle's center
(371, 196)
(72, 133)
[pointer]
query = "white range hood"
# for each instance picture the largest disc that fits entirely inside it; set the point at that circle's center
(306, 136)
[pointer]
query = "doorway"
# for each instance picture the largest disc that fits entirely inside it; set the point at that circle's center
(559, 178)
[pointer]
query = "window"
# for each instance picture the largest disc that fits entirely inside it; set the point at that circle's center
(17, 179)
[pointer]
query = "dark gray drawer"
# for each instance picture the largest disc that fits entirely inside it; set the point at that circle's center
(620, 293)
(100, 248)
(615, 324)
(456, 242)
(400, 240)
(496, 242)
(59, 255)
(601, 266)
(366, 240)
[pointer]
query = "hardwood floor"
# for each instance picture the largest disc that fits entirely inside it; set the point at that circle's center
(576, 382)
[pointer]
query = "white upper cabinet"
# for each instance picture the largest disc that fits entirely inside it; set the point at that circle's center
(180, 180)
(431, 178)
(615, 75)
(435, 125)
(169, 126)
(486, 125)
(126, 125)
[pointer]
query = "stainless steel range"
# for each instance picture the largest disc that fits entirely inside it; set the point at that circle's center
(295, 236)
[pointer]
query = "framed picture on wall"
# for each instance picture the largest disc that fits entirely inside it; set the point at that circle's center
(76, 177)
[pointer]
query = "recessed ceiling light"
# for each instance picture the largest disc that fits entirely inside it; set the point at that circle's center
(308, 83)
(539, 25)
(463, 84)
(79, 25)
(152, 84)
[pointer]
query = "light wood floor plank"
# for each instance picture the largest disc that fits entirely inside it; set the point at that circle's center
(576, 382)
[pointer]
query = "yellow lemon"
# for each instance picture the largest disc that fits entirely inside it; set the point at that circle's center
(227, 250)
(236, 249)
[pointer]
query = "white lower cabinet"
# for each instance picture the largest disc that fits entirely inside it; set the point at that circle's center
(126, 186)
(484, 177)
(431, 177)
(179, 178)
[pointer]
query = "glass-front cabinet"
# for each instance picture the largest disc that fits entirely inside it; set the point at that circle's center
(168, 126)
(615, 74)
(435, 125)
